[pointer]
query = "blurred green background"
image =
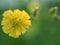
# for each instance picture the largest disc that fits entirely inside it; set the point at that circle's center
(44, 31)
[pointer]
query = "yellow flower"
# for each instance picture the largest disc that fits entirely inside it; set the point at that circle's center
(33, 5)
(15, 23)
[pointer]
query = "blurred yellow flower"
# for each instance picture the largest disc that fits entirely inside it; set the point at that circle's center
(33, 5)
(15, 23)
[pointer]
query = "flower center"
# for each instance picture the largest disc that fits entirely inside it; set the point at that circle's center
(16, 22)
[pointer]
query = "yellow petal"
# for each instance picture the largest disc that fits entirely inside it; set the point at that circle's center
(6, 29)
(8, 14)
(27, 23)
(17, 12)
(15, 33)
(5, 22)
(25, 15)
(23, 31)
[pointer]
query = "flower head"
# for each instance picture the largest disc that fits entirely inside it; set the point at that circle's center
(33, 5)
(15, 23)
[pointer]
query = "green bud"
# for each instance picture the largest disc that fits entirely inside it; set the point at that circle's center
(53, 13)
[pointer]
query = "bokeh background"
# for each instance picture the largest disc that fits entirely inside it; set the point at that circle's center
(43, 31)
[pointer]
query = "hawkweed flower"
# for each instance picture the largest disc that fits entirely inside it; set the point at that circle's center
(15, 23)
(33, 7)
